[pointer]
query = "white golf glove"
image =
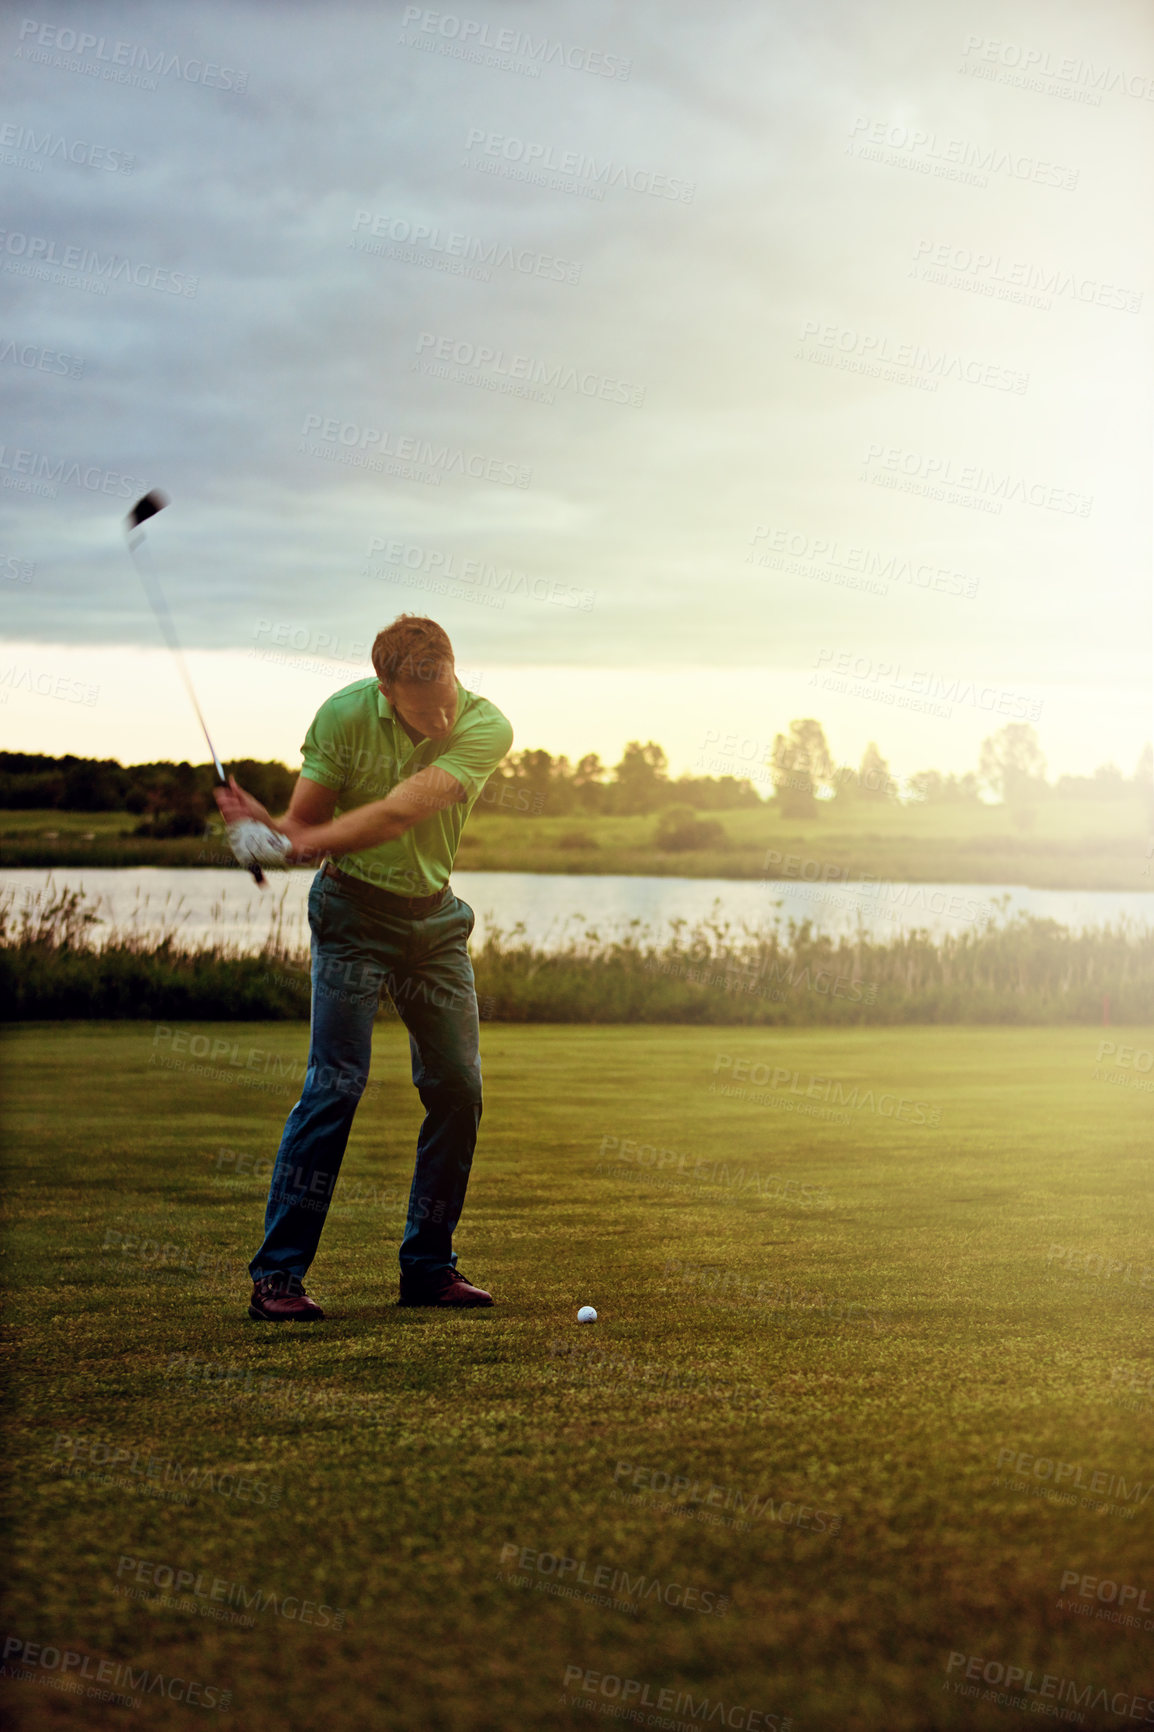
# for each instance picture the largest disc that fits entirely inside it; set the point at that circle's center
(254, 844)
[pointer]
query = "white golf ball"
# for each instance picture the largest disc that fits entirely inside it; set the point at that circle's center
(586, 1314)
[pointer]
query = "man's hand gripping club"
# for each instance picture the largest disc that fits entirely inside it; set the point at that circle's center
(309, 831)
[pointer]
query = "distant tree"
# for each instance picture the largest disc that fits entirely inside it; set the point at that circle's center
(876, 781)
(30, 791)
(29, 763)
(589, 778)
(160, 789)
(176, 802)
(1107, 783)
(533, 783)
(542, 777)
(640, 780)
(800, 761)
(871, 781)
(1011, 764)
(271, 783)
(92, 786)
(932, 788)
(715, 793)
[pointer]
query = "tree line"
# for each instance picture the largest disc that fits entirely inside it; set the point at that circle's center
(1011, 767)
(171, 799)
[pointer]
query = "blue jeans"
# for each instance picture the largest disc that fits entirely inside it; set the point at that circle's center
(424, 965)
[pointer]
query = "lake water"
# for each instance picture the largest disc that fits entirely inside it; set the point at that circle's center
(206, 904)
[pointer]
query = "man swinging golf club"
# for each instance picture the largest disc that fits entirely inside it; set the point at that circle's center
(392, 766)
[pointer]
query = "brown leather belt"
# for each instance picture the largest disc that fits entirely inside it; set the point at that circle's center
(386, 901)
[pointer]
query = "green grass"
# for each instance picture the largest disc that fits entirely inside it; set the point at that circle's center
(412, 1447)
(1068, 844)
(69, 826)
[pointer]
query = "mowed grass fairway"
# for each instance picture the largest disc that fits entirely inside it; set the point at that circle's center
(913, 1323)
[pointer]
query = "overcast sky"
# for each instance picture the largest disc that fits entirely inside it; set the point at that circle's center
(697, 368)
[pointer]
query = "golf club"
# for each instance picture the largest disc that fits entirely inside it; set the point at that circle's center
(148, 506)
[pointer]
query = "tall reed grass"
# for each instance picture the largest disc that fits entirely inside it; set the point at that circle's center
(55, 962)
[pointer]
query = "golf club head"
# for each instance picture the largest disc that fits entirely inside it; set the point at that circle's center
(147, 506)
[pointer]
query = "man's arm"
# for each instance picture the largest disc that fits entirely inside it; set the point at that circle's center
(313, 831)
(412, 800)
(311, 803)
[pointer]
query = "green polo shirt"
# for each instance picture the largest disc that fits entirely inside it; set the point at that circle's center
(357, 746)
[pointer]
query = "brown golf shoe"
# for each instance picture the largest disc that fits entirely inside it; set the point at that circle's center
(282, 1299)
(450, 1289)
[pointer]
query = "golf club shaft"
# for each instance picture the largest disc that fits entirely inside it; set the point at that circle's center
(155, 594)
(141, 559)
